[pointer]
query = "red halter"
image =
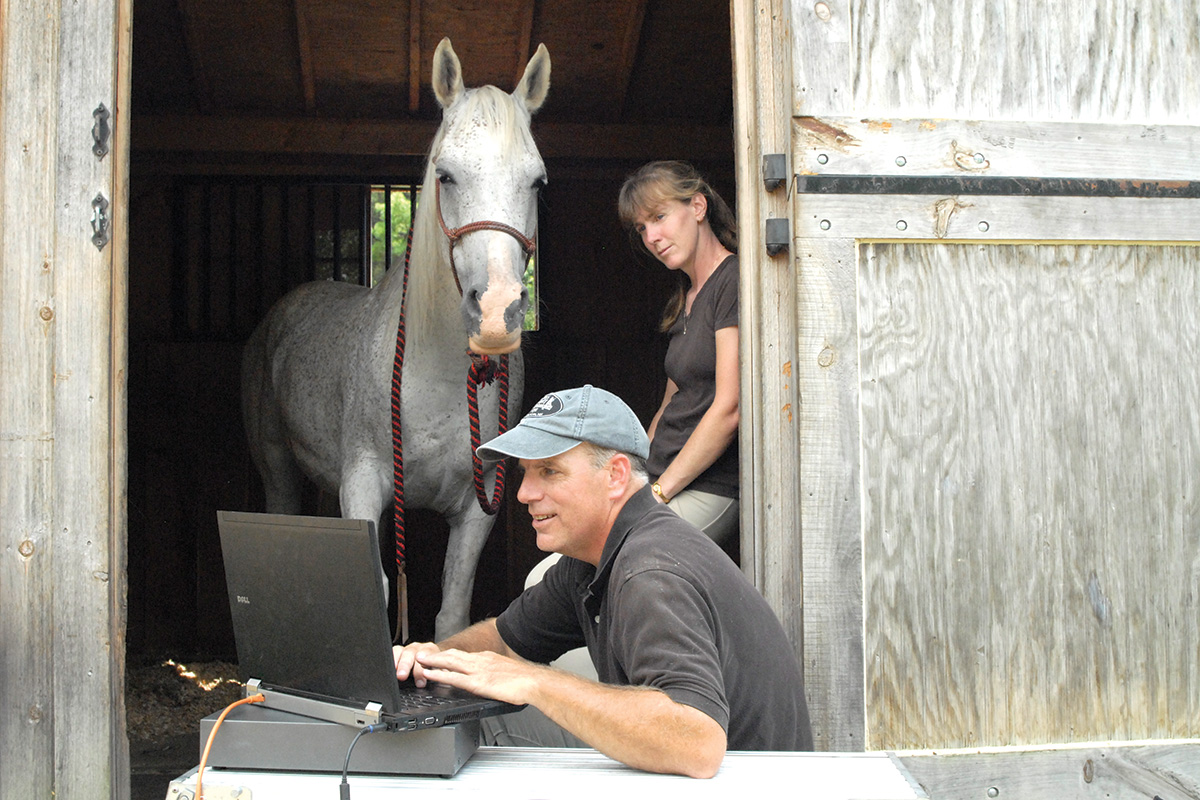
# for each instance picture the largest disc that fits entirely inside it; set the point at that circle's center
(454, 234)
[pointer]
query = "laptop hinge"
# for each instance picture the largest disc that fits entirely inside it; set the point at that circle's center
(369, 714)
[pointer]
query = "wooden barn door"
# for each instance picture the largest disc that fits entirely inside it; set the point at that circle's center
(63, 143)
(970, 383)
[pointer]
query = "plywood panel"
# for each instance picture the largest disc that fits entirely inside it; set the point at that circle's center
(1029, 452)
(1108, 61)
(826, 374)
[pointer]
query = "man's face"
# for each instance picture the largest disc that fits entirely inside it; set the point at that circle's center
(570, 502)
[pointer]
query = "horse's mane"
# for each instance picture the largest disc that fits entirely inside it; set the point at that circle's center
(430, 275)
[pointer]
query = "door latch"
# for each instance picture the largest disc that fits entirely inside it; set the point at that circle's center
(101, 131)
(100, 221)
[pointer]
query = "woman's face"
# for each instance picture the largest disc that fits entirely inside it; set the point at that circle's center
(670, 230)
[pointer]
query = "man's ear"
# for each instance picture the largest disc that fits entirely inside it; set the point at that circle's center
(620, 473)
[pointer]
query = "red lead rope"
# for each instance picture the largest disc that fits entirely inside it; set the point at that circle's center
(482, 371)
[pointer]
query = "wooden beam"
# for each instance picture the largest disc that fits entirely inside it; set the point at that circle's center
(855, 146)
(310, 136)
(997, 220)
(308, 82)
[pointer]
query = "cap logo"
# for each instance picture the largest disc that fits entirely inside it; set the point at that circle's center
(548, 406)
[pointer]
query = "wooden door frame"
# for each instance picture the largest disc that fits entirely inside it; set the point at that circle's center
(63, 403)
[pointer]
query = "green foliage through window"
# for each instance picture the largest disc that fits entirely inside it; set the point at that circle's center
(392, 209)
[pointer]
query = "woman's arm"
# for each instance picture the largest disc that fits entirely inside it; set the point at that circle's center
(717, 428)
(667, 395)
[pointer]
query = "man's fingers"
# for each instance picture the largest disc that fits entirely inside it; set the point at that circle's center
(407, 663)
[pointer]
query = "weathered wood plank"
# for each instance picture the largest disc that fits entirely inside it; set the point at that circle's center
(821, 80)
(1117, 61)
(90, 747)
(28, 122)
(829, 145)
(826, 375)
(770, 513)
(997, 219)
(1029, 447)
(1111, 772)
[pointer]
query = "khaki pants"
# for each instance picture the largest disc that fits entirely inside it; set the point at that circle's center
(717, 516)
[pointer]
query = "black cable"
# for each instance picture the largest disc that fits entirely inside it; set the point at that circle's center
(345, 787)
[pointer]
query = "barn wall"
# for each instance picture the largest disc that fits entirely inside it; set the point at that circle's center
(993, 470)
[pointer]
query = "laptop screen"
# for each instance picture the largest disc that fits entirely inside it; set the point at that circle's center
(309, 605)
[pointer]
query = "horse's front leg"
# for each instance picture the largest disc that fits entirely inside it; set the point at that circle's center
(468, 534)
(365, 491)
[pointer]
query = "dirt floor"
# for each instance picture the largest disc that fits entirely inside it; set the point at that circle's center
(164, 703)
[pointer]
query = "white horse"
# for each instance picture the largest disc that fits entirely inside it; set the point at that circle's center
(317, 372)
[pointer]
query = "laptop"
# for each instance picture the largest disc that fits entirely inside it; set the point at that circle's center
(310, 622)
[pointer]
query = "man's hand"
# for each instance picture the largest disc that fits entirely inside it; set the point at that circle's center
(486, 673)
(407, 663)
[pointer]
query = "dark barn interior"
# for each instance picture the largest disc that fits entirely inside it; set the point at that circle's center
(259, 128)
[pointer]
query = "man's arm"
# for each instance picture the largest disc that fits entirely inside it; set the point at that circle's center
(638, 726)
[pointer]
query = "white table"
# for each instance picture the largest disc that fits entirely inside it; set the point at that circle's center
(504, 773)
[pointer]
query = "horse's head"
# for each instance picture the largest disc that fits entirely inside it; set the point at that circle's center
(488, 173)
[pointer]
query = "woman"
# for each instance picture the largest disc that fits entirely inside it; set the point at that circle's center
(676, 216)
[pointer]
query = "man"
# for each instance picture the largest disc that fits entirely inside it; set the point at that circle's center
(690, 658)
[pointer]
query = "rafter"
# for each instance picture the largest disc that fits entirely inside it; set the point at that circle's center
(195, 47)
(414, 55)
(524, 38)
(629, 53)
(304, 49)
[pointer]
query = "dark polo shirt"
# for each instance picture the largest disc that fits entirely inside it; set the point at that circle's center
(691, 363)
(668, 609)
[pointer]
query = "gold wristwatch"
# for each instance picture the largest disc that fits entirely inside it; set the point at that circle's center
(658, 492)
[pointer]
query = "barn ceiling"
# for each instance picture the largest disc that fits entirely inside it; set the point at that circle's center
(629, 78)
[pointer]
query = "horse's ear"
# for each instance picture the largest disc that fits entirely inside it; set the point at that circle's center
(535, 83)
(447, 74)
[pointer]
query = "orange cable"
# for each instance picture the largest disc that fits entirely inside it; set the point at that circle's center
(254, 698)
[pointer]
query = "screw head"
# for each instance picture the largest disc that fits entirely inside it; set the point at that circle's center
(901, 161)
(822, 159)
(901, 225)
(825, 225)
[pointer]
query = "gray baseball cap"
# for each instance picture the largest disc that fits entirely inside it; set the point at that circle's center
(561, 420)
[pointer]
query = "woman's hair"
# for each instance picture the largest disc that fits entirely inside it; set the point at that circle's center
(661, 181)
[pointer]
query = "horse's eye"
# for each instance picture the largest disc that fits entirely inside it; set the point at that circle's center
(445, 178)
(539, 183)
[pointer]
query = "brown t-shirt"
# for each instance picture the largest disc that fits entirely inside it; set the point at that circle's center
(692, 364)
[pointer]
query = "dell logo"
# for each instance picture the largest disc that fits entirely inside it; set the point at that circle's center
(241, 598)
